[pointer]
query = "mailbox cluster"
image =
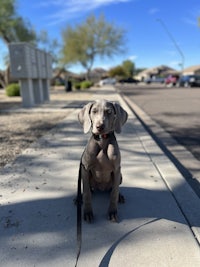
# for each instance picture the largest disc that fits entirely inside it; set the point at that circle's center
(33, 68)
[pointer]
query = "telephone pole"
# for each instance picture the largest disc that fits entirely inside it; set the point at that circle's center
(174, 42)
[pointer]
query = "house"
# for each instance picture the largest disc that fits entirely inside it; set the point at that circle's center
(192, 70)
(60, 75)
(159, 71)
(97, 74)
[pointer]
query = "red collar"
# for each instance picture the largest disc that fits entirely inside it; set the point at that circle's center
(101, 136)
(104, 136)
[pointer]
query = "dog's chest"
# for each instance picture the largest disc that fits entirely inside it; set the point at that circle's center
(102, 156)
(104, 160)
(104, 165)
(102, 171)
(101, 159)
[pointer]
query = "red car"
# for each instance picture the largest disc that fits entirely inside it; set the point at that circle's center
(171, 80)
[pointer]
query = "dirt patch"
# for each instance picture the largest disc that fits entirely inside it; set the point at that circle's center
(19, 130)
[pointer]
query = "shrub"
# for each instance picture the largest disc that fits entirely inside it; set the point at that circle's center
(77, 85)
(86, 84)
(13, 89)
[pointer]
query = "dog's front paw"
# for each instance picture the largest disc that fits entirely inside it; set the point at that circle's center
(113, 215)
(121, 199)
(88, 216)
(78, 200)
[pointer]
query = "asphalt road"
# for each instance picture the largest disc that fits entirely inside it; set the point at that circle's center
(177, 110)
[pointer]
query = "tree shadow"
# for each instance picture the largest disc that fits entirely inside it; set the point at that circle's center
(37, 230)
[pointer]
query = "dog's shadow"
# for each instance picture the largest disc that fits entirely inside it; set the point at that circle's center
(139, 203)
(149, 206)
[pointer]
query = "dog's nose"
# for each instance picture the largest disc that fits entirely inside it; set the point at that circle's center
(100, 127)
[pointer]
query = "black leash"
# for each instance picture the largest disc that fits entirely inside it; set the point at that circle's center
(79, 216)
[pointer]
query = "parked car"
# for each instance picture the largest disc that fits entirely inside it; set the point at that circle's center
(171, 80)
(189, 80)
(154, 80)
(107, 81)
(129, 80)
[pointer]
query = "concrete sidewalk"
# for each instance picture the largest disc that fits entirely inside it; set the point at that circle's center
(159, 223)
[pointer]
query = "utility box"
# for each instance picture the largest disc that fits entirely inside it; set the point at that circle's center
(48, 65)
(41, 64)
(33, 68)
(23, 61)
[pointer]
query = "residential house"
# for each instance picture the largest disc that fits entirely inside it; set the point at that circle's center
(192, 70)
(159, 71)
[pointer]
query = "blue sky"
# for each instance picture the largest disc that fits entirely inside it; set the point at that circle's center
(147, 42)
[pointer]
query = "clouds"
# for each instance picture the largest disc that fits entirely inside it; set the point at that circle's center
(191, 21)
(63, 10)
(192, 18)
(174, 64)
(133, 57)
(153, 10)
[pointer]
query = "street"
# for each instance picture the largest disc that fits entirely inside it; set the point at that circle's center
(177, 110)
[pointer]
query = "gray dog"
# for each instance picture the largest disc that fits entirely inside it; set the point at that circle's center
(100, 162)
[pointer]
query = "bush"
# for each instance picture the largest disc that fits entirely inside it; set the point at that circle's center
(86, 84)
(13, 89)
(77, 85)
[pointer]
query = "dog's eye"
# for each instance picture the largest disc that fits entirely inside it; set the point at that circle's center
(109, 111)
(94, 111)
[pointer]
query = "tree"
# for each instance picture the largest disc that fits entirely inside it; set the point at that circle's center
(94, 37)
(13, 28)
(129, 68)
(117, 71)
(49, 45)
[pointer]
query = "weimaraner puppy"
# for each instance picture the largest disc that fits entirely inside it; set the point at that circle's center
(100, 162)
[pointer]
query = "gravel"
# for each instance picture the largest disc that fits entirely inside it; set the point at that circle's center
(19, 130)
(21, 127)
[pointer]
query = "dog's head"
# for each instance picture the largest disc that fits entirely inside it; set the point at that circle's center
(102, 117)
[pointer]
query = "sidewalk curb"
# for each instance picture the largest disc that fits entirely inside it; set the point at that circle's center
(187, 199)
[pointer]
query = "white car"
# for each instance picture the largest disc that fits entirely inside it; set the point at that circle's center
(107, 81)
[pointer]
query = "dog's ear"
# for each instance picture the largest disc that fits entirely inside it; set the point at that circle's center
(121, 117)
(84, 117)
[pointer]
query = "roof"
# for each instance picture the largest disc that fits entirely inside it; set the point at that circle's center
(156, 70)
(99, 70)
(61, 72)
(192, 68)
